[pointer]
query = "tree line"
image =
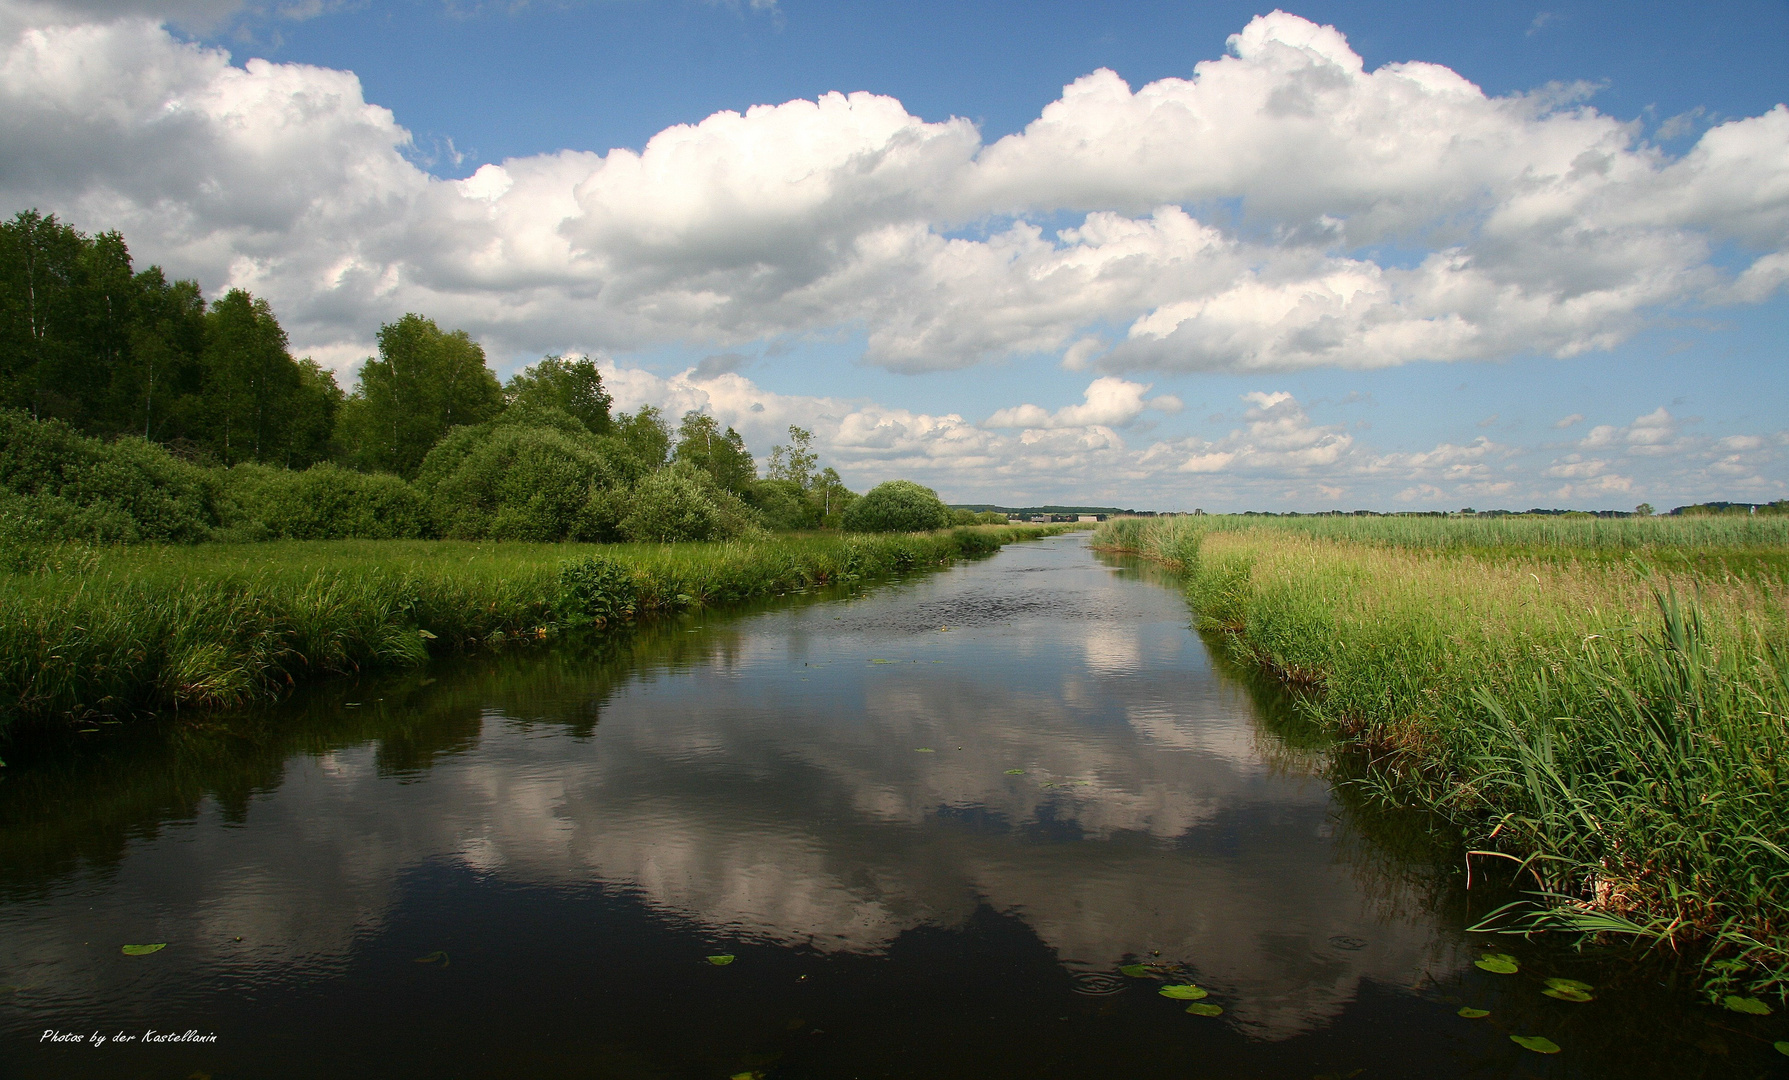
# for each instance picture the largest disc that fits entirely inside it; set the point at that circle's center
(139, 411)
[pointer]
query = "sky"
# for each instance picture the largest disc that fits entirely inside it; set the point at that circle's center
(1391, 256)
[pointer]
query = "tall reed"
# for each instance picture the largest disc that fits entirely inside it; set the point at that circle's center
(121, 631)
(1615, 725)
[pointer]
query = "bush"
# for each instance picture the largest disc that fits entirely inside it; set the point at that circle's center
(324, 502)
(595, 591)
(897, 506)
(510, 480)
(56, 484)
(784, 505)
(683, 503)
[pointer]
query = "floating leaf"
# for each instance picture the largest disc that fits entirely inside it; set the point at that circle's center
(1205, 1008)
(721, 959)
(884, 661)
(436, 957)
(1498, 963)
(1751, 1006)
(1137, 971)
(1471, 1013)
(924, 750)
(1183, 992)
(1540, 1044)
(1570, 984)
(753, 1075)
(1783, 1048)
(1015, 772)
(1568, 994)
(143, 950)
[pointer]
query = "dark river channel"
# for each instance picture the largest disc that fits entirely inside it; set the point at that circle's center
(929, 821)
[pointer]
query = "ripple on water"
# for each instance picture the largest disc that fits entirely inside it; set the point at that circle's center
(1096, 983)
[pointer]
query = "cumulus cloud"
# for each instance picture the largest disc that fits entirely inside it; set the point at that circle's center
(1542, 224)
(1111, 402)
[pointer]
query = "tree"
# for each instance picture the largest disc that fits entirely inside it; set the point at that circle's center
(1643, 510)
(644, 439)
(422, 384)
(573, 386)
(897, 506)
(796, 461)
(723, 456)
(250, 380)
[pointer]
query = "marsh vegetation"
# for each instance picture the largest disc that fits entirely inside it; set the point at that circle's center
(1602, 704)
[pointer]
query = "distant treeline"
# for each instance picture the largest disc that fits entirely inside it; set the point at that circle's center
(132, 410)
(1781, 506)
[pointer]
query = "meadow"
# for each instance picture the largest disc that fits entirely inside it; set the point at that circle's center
(1599, 705)
(114, 632)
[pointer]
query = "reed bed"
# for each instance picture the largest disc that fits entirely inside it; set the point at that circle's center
(1604, 703)
(123, 631)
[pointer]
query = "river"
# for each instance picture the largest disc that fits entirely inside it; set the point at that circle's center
(929, 821)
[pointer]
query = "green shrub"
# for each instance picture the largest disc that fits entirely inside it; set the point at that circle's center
(681, 502)
(324, 502)
(56, 484)
(784, 505)
(897, 506)
(595, 591)
(528, 477)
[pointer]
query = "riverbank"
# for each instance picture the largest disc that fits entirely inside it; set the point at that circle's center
(87, 633)
(1606, 703)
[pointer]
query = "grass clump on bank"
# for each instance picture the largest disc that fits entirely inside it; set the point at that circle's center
(1606, 702)
(117, 631)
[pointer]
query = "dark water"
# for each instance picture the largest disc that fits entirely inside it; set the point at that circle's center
(930, 822)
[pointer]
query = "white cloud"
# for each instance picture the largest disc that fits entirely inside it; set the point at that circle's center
(1545, 226)
(1111, 402)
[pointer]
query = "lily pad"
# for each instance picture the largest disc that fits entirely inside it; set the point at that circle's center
(1205, 1008)
(721, 959)
(1183, 992)
(884, 661)
(753, 1075)
(1540, 1044)
(143, 950)
(1783, 1048)
(1498, 963)
(1570, 984)
(1137, 971)
(1015, 772)
(924, 750)
(1471, 1013)
(1568, 995)
(1751, 1006)
(436, 957)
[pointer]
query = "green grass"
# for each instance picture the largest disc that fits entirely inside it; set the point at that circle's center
(1603, 703)
(123, 631)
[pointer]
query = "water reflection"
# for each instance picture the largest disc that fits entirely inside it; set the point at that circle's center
(1035, 744)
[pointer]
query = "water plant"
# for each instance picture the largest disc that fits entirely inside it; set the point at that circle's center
(1600, 705)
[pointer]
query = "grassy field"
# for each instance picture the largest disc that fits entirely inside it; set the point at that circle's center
(1604, 702)
(87, 632)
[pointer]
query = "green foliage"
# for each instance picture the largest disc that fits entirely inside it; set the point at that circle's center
(423, 383)
(529, 475)
(783, 505)
(56, 484)
(1541, 682)
(130, 629)
(86, 340)
(794, 462)
(723, 456)
(897, 506)
(682, 503)
(642, 442)
(574, 387)
(595, 591)
(324, 502)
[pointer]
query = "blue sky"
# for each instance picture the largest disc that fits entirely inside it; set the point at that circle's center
(1586, 310)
